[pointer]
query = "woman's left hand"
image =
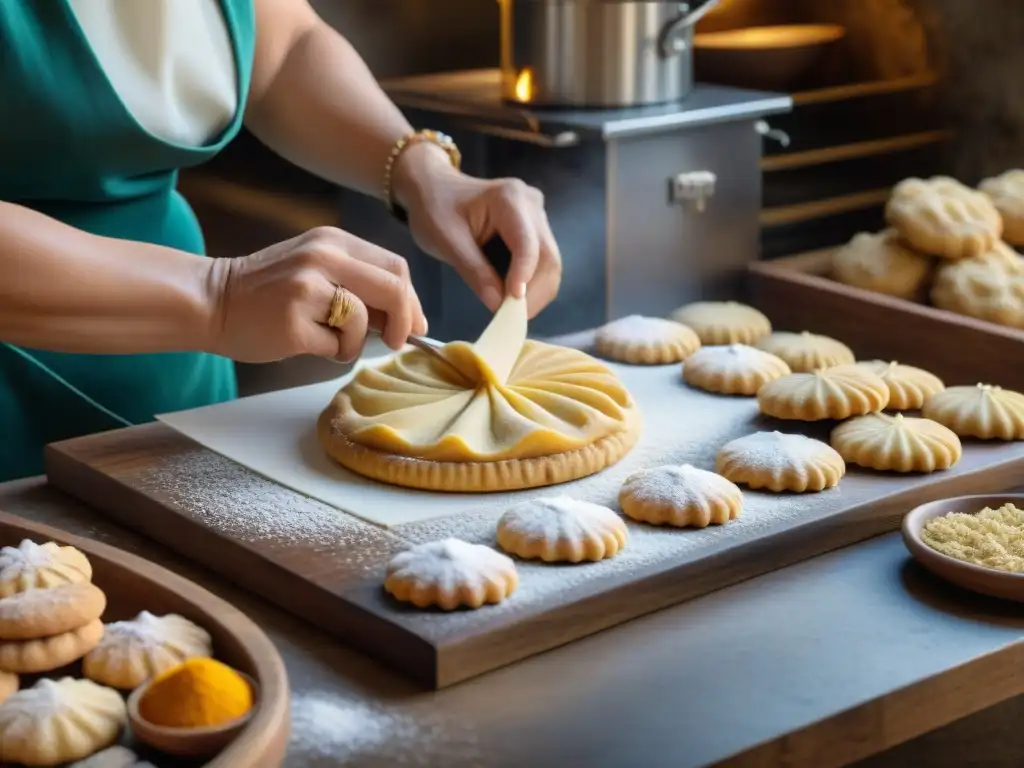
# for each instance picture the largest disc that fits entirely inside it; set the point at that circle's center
(452, 214)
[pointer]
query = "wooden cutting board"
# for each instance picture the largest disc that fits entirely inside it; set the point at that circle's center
(327, 566)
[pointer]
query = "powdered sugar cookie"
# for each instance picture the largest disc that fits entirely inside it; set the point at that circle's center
(804, 352)
(47, 654)
(113, 757)
(983, 411)
(829, 393)
(9, 683)
(735, 369)
(989, 287)
(58, 721)
(681, 496)
(561, 529)
(449, 574)
(908, 386)
(724, 322)
(37, 613)
(40, 565)
(880, 262)
(884, 442)
(135, 650)
(942, 217)
(1006, 191)
(646, 341)
(781, 462)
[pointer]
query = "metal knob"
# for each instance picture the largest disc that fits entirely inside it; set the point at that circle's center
(692, 186)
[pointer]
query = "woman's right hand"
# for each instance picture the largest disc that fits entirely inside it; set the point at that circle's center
(274, 304)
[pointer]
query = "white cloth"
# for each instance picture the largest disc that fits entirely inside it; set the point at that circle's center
(171, 62)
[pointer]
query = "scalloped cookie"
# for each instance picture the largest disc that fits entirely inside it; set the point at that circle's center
(49, 653)
(879, 262)
(983, 411)
(450, 574)
(135, 650)
(804, 352)
(9, 683)
(1006, 191)
(37, 613)
(643, 340)
(30, 565)
(113, 757)
(989, 287)
(724, 322)
(898, 444)
(682, 496)
(828, 393)
(560, 529)
(735, 369)
(781, 462)
(58, 721)
(943, 217)
(908, 386)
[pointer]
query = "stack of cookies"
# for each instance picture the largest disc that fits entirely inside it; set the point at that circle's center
(948, 242)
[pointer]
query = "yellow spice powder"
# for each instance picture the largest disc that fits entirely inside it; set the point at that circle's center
(993, 538)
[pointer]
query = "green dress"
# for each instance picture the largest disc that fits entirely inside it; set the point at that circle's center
(70, 149)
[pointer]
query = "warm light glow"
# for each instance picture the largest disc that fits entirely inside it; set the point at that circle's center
(783, 36)
(524, 85)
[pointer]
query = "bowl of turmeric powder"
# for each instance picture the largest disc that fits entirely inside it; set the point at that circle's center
(194, 709)
(975, 542)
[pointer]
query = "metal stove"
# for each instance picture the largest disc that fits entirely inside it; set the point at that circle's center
(652, 206)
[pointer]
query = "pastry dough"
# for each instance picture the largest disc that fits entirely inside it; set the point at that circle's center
(58, 721)
(47, 654)
(983, 411)
(9, 683)
(781, 462)
(943, 217)
(37, 613)
(908, 386)
(561, 529)
(133, 651)
(449, 574)
(1006, 191)
(989, 287)
(880, 262)
(646, 341)
(556, 415)
(735, 369)
(724, 322)
(40, 565)
(829, 393)
(681, 496)
(804, 352)
(884, 442)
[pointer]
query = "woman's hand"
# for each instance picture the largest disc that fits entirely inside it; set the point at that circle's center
(275, 303)
(451, 215)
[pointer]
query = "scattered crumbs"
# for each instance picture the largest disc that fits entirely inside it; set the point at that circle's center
(993, 538)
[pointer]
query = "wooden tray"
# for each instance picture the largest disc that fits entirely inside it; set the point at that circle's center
(132, 584)
(797, 295)
(328, 567)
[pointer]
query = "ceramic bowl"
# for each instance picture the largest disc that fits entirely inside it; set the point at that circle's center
(187, 742)
(987, 581)
(766, 58)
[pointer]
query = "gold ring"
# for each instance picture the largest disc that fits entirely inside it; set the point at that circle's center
(342, 306)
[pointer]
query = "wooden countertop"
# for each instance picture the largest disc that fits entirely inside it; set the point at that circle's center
(823, 663)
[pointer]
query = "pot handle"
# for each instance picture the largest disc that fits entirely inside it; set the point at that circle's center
(671, 41)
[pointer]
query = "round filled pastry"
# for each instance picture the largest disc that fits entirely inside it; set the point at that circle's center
(501, 414)
(942, 217)
(989, 287)
(1006, 191)
(805, 351)
(735, 369)
(640, 340)
(724, 322)
(879, 262)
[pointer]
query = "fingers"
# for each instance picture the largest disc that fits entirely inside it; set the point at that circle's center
(462, 252)
(515, 220)
(547, 279)
(351, 337)
(315, 337)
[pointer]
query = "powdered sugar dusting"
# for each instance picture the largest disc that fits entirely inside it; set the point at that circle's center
(738, 358)
(637, 329)
(679, 486)
(555, 518)
(450, 562)
(776, 451)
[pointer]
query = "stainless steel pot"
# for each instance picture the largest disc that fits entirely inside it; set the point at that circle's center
(598, 53)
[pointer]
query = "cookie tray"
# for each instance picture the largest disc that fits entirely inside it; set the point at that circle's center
(131, 585)
(797, 294)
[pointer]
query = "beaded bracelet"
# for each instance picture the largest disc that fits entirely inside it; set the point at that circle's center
(437, 138)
